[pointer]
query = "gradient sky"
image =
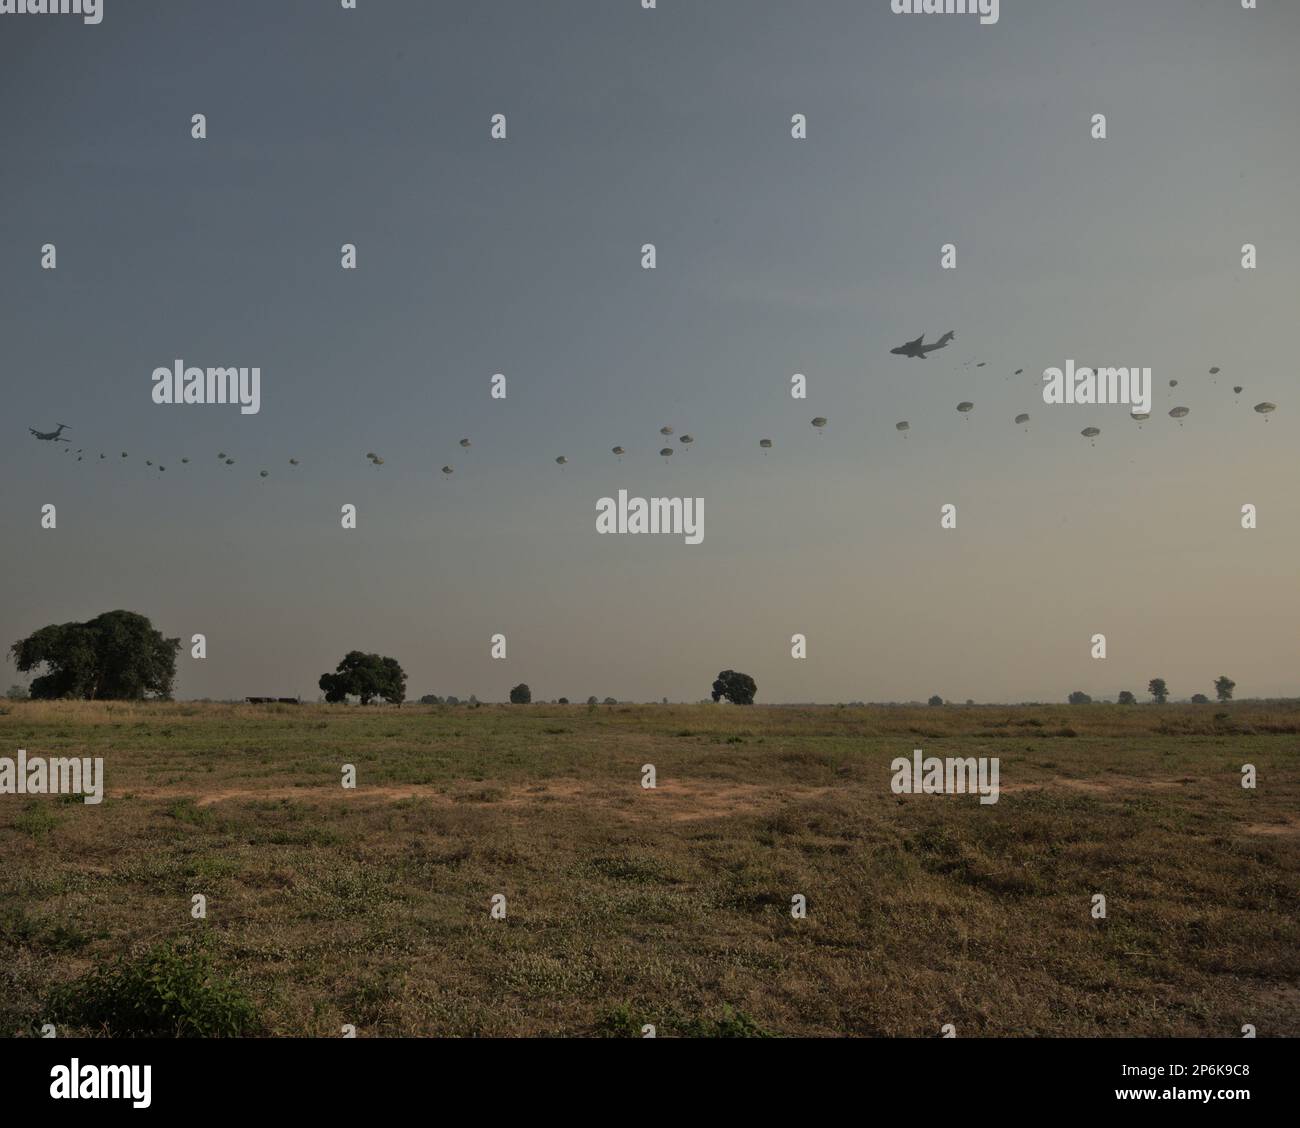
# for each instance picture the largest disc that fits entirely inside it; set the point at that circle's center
(372, 126)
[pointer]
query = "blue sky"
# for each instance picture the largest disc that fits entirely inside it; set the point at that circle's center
(371, 126)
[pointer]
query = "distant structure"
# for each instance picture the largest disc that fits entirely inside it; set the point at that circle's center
(274, 700)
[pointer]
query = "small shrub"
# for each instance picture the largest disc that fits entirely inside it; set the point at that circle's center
(166, 993)
(618, 1022)
(732, 1024)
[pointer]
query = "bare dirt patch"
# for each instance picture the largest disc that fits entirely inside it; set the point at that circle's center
(1101, 786)
(1287, 829)
(675, 800)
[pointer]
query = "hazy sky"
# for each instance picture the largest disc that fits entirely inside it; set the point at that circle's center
(775, 256)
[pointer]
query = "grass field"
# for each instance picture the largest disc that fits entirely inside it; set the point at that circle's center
(670, 906)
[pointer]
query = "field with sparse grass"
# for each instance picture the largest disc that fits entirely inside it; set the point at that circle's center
(670, 906)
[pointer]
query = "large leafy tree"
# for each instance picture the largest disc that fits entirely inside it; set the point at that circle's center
(1157, 688)
(366, 676)
(117, 655)
(1223, 686)
(736, 687)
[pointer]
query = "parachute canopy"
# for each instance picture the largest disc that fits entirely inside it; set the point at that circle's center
(1179, 412)
(447, 469)
(264, 474)
(1090, 432)
(819, 422)
(464, 442)
(618, 450)
(1140, 416)
(1265, 407)
(686, 440)
(903, 426)
(665, 430)
(766, 444)
(561, 460)
(667, 452)
(1022, 418)
(965, 406)
(1215, 370)
(1237, 388)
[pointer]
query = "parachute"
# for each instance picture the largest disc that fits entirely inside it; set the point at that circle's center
(378, 461)
(1215, 370)
(230, 462)
(618, 451)
(1236, 388)
(1140, 416)
(465, 443)
(1173, 383)
(965, 407)
(667, 453)
(686, 440)
(183, 459)
(293, 462)
(447, 469)
(1265, 407)
(1091, 434)
(766, 444)
(124, 454)
(147, 462)
(819, 423)
(264, 474)
(665, 430)
(1179, 412)
(1020, 372)
(561, 460)
(1022, 418)
(219, 456)
(903, 426)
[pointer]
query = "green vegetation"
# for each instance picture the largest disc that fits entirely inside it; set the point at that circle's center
(367, 676)
(166, 993)
(116, 655)
(668, 907)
